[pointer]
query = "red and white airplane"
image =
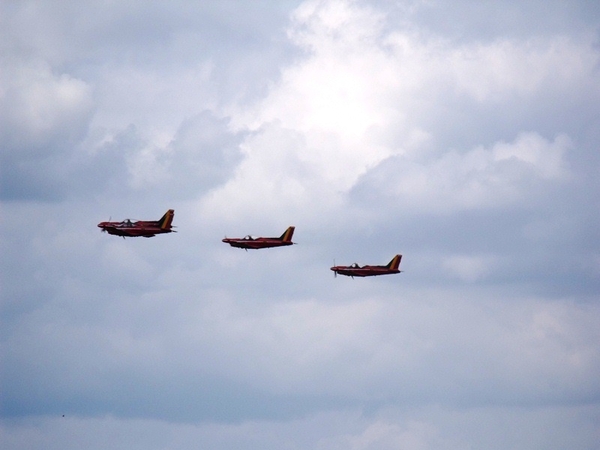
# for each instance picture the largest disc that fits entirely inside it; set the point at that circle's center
(145, 228)
(369, 271)
(262, 242)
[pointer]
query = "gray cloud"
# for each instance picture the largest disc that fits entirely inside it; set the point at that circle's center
(43, 116)
(461, 136)
(429, 427)
(203, 154)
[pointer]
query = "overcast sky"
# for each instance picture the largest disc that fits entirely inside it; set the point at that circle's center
(463, 135)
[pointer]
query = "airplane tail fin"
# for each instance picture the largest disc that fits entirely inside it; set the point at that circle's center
(395, 262)
(165, 221)
(287, 235)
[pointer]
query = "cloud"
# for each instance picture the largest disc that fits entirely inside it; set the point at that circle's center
(42, 116)
(425, 428)
(364, 99)
(372, 127)
(203, 154)
(501, 176)
(39, 106)
(76, 90)
(105, 350)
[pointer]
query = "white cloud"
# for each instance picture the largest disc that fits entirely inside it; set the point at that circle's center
(490, 72)
(39, 107)
(426, 428)
(385, 435)
(545, 158)
(362, 96)
(451, 150)
(156, 99)
(479, 178)
(468, 268)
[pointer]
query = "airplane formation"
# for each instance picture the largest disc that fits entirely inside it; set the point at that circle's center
(150, 228)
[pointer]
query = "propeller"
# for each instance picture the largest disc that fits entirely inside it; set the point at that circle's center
(103, 230)
(334, 272)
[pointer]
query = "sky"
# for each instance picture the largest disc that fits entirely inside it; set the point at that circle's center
(462, 135)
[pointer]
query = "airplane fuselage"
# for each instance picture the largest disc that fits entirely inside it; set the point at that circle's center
(133, 230)
(365, 271)
(369, 271)
(257, 243)
(145, 228)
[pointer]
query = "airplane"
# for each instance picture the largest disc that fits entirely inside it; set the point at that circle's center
(369, 271)
(145, 228)
(262, 242)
